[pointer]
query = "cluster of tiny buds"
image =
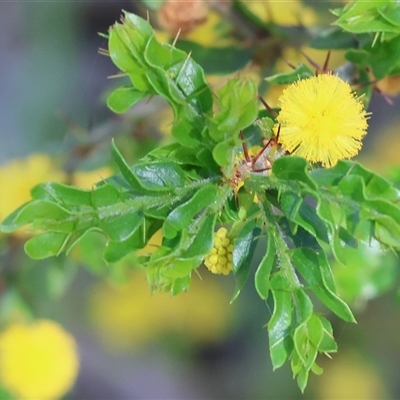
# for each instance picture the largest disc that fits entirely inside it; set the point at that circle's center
(219, 259)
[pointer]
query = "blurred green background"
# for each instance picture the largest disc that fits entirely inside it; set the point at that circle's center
(53, 85)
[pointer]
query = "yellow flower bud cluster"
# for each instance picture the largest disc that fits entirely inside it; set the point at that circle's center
(219, 259)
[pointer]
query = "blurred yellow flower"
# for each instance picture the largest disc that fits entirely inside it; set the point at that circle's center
(389, 85)
(321, 119)
(37, 361)
(18, 176)
(208, 33)
(87, 179)
(283, 12)
(219, 259)
(349, 376)
(129, 316)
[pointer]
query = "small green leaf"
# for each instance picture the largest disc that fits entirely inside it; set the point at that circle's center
(334, 38)
(243, 249)
(203, 238)
(286, 78)
(301, 212)
(328, 344)
(182, 215)
(217, 60)
(120, 228)
(46, 245)
(291, 168)
(262, 275)
(123, 98)
(316, 271)
(279, 333)
(159, 175)
(29, 212)
(303, 306)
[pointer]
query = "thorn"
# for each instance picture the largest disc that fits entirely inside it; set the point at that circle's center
(148, 16)
(244, 146)
(176, 38)
(289, 64)
(119, 75)
(325, 66)
(103, 52)
(265, 104)
(278, 133)
(312, 62)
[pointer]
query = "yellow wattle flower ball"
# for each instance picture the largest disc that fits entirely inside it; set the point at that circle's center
(37, 361)
(321, 119)
(219, 259)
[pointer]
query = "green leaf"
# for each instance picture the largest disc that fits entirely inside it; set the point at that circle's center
(239, 109)
(217, 60)
(39, 208)
(382, 57)
(279, 332)
(121, 227)
(159, 175)
(328, 344)
(182, 215)
(46, 245)
(123, 98)
(303, 306)
(203, 238)
(291, 168)
(316, 271)
(286, 78)
(242, 254)
(334, 38)
(372, 16)
(262, 275)
(301, 212)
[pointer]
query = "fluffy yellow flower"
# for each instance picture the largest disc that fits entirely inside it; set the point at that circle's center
(37, 361)
(321, 119)
(219, 259)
